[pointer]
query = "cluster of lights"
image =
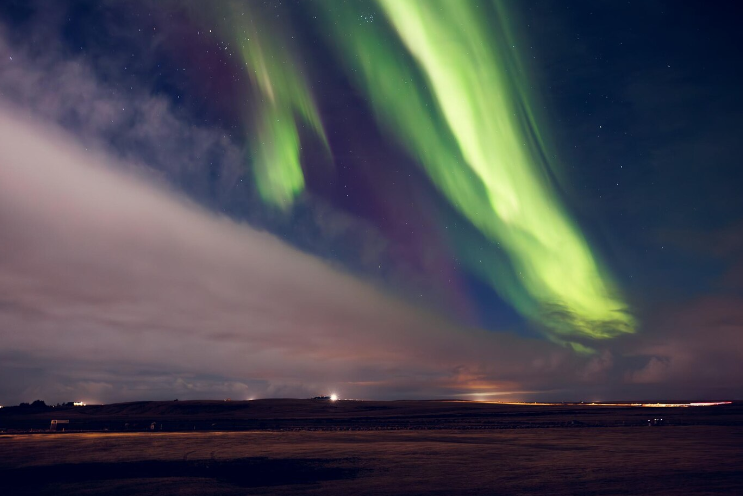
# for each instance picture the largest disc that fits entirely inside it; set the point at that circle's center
(681, 405)
(651, 405)
(78, 403)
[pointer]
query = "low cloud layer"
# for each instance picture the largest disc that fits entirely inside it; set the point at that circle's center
(114, 288)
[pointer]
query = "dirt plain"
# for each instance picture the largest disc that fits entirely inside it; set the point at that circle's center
(345, 447)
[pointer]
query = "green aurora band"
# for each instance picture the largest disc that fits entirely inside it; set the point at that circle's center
(448, 84)
(281, 100)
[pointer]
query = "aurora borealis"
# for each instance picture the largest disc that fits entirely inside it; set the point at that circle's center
(469, 123)
(487, 154)
(394, 198)
(279, 96)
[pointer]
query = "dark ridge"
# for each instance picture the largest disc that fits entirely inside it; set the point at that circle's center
(289, 414)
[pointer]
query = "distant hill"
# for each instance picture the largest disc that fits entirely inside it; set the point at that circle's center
(321, 414)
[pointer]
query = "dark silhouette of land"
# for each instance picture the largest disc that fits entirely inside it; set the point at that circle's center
(293, 414)
(369, 447)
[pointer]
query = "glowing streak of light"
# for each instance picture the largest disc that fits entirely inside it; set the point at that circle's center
(456, 101)
(281, 101)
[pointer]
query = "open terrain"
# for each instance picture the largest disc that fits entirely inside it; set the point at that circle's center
(321, 447)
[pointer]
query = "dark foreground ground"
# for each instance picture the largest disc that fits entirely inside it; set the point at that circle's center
(378, 448)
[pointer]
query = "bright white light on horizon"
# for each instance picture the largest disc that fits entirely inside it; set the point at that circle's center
(78, 403)
(333, 397)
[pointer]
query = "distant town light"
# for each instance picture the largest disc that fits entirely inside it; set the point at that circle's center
(78, 403)
(682, 405)
(333, 397)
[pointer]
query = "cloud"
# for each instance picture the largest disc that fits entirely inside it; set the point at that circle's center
(128, 120)
(691, 349)
(654, 371)
(115, 288)
(103, 275)
(137, 122)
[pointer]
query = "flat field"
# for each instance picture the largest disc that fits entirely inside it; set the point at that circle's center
(698, 451)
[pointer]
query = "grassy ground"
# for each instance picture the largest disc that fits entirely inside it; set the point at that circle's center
(702, 459)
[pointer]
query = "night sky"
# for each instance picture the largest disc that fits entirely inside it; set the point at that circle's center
(383, 199)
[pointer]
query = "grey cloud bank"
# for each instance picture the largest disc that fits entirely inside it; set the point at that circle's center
(114, 289)
(111, 286)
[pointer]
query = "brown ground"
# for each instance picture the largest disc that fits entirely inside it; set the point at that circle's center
(518, 457)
